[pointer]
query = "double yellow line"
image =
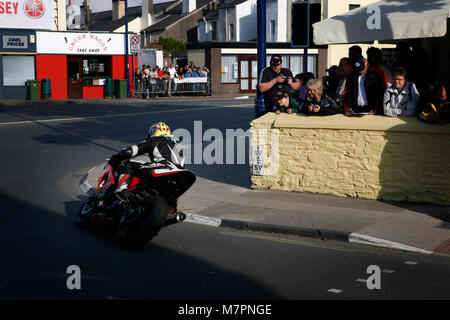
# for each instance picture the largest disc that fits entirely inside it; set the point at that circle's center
(289, 241)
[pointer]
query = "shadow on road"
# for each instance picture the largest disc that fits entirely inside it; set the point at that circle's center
(40, 244)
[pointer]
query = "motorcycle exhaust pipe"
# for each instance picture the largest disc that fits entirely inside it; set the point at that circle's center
(179, 217)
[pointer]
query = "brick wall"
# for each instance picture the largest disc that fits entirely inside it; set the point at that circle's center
(372, 157)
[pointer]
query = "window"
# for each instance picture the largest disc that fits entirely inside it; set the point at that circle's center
(231, 32)
(17, 70)
(353, 6)
(214, 30)
(295, 63)
(273, 30)
(229, 69)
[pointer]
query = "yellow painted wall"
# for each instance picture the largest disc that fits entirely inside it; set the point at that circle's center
(372, 157)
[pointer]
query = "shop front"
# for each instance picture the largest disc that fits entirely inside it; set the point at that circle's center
(79, 64)
(17, 62)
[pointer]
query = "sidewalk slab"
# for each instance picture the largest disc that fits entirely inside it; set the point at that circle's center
(405, 226)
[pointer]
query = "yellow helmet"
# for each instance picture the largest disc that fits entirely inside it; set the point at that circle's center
(159, 129)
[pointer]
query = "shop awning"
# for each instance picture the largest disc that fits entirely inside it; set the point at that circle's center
(399, 19)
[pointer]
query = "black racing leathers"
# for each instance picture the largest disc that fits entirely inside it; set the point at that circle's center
(161, 150)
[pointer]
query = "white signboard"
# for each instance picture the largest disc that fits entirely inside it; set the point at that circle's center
(27, 14)
(78, 43)
(191, 80)
(258, 160)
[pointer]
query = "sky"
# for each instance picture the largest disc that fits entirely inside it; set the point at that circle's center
(106, 5)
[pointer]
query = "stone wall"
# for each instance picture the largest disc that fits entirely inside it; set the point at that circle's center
(372, 157)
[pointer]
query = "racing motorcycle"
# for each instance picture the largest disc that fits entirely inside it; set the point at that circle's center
(153, 205)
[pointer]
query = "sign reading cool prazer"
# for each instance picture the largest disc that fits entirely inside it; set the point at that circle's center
(15, 42)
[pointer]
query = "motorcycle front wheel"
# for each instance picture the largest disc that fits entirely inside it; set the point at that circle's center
(150, 217)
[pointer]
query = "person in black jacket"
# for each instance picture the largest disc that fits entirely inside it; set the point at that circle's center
(163, 149)
(364, 89)
(273, 79)
(318, 103)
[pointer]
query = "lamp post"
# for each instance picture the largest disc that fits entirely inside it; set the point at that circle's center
(261, 17)
(127, 62)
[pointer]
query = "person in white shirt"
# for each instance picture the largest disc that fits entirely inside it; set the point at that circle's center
(170, 82)
(402, 97)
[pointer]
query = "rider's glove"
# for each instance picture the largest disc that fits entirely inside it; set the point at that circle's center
(114, 161)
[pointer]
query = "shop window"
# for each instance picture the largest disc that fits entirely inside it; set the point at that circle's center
(229, 69)
(17, 70)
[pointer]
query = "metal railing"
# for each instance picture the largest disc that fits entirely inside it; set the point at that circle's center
(146, 88)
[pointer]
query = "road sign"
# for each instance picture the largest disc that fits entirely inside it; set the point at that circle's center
(135, 43)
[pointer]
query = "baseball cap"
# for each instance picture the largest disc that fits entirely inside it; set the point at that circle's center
(358, 63)
(275, 60)
(281, 94)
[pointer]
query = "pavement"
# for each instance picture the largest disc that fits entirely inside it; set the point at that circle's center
(21, 102)
(414, 227)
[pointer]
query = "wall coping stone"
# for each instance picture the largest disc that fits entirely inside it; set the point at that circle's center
(341, 122)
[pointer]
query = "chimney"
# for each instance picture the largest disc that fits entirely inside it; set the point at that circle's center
(189, 6)
(147, 12)
(118, 9)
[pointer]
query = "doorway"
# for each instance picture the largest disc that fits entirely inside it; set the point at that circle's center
(74, 85)
(248, 75)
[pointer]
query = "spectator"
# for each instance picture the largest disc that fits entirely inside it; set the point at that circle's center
(160, 81)
(318, 103)
(303, 79)
(437, 110)
(354, 51)
(196, 85)
(273, 79)
(401, 98)
(153, 82)
(205, 71)
(375, 58)
(364, 89)
(344, 71)
(331, 81)
(173, 73)
(286, 101)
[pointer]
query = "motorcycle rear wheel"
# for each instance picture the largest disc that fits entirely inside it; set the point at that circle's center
(153, 217)
(83, 217)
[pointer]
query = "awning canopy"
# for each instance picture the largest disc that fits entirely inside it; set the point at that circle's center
(398, 19)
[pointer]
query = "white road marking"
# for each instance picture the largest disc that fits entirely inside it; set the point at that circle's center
(204, 220)
(335, 290)
(121, 115)
(361, 280)
(365, 239)
(412, 263)
(387, 271)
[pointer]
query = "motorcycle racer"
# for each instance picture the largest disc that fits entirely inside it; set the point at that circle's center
(163, 149)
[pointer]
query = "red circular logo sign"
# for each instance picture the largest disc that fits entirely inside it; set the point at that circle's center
(35, 9)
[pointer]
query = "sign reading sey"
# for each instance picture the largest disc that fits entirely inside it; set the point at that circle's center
(8, 7)
(15, 42)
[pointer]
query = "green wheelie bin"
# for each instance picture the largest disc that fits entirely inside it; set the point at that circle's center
(46, 89)
(120, 88)
(109, 88)
(32, 89)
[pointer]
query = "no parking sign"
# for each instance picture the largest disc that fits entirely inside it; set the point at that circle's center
(135, 43)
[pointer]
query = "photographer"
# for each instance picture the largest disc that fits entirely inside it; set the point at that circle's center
(273, 79)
